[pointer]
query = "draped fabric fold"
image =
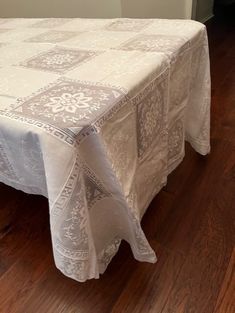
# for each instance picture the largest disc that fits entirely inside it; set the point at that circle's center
(94, 115)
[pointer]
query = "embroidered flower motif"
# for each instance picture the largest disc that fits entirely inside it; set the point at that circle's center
(59, 59)
(69, 102)
(50, 22)
(150, 122)
(128, 25)
(150, 114)
(176, 140)
(154, 43)
(52, 36)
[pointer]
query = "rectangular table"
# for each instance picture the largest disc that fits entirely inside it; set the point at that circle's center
(94, 114)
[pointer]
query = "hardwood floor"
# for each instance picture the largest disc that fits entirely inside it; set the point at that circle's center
(190, 224)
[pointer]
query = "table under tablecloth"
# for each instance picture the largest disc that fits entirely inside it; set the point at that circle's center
(94, 114)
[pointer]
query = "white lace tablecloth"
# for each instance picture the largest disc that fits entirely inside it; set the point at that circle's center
(94, 115)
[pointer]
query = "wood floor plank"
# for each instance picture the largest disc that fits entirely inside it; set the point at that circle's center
(23, 275)
(150, 285)
(31, 218)
(57, 293)
(198, 283)
(226, 299)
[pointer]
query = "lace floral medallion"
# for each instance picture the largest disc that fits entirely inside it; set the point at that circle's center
(151, 104)
(6, 165)
(59, 60)
(50, 22)
(153, 43)
(176, 141)
(70, 103)
(128, 25)
(53, 36)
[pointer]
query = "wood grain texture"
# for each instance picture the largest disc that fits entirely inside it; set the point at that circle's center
(190, 224)
(226, 299)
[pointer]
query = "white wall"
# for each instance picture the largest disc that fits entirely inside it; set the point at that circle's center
(97, 8)
(60, 8)
(157, 8)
